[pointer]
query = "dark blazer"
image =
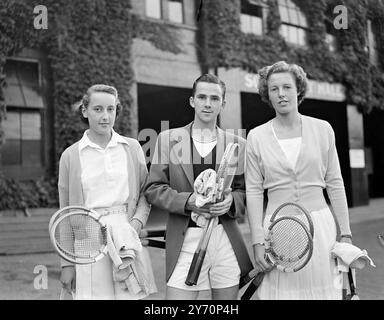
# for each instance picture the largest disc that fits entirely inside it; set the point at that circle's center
(170, 184)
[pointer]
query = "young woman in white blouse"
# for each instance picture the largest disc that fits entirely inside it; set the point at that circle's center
(106, 172)
(294, 157)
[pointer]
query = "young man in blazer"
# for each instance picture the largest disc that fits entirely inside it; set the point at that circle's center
(181, 154)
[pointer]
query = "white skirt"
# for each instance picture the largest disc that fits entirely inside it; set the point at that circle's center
(319, 279)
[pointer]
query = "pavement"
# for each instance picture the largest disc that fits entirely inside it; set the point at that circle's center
(36, 276)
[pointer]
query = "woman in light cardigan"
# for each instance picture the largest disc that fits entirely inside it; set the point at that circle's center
(103, 171)
(294, 157)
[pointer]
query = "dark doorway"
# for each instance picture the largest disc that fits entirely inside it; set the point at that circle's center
(374, 143)
(160, 103)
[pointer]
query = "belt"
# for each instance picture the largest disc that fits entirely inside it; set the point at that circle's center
(122, 209)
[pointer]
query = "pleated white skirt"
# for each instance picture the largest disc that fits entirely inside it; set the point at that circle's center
(319, 279)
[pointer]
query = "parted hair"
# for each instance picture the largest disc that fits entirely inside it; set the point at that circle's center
(209, 78)
(97, 88)
(279, 67)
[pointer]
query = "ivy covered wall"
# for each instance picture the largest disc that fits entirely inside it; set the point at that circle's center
(87, 42)
(226, 46)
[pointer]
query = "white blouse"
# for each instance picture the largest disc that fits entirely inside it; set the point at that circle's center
(291, 148)
(104, 174)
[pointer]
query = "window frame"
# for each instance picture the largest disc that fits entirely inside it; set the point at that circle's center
(256, 6)
(20, 171)
(288, 7)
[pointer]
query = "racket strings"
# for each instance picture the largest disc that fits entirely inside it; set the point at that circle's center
(289, 244)
(291, 210)
(80, 236)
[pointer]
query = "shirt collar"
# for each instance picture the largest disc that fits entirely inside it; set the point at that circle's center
(115, 139)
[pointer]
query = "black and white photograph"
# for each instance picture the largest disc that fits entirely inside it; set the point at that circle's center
(195, 156)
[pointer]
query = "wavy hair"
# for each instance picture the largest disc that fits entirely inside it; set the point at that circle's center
(279, 67)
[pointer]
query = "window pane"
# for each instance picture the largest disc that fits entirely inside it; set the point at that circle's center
(302, 20)
(293, 19)
(23, 88)
(330, 40)
(10, 70)
(283, 14)
(284, 31)
(301, 36)
(13, 95)
(31, 153)
(11, 125)
(32, 97)
(153, 8)
(10, 152)
(30, 126)
(245, 23)
(256, 25)
(175, 11)
(292, 35)
(28, 72)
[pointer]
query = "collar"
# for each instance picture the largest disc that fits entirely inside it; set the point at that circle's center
(115, 139)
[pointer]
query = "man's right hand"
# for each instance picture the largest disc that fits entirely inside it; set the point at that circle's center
(68, 278)
(191, 206)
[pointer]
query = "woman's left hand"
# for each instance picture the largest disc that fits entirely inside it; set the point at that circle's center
(136, 224)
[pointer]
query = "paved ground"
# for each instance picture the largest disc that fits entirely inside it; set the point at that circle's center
(19, 273)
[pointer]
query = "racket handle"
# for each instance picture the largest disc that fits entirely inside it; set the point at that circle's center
(66, 295)
(248, 277)
(253, 286)
(195, 268)
(153, 243)
(145, 233)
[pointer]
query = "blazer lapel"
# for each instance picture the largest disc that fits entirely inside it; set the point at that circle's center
(181, 151)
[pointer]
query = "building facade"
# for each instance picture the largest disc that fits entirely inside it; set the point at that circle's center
(163, 82)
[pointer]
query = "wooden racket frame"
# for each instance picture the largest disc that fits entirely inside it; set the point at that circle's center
(59, 216)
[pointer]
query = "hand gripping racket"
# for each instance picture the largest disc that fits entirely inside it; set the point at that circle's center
(78, 234)
(224, 178)
(289, 243)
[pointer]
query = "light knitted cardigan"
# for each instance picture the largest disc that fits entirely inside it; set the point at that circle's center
(70, 187)
(317, 168)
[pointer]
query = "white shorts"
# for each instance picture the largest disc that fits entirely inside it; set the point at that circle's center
(220, 268)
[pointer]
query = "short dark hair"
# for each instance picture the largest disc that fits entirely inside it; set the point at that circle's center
(98, 88)
(210, 78)
(280, 67)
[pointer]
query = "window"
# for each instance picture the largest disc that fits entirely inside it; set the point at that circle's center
(372, 44)
(251, 18)
(23, 148)
(23, 139)
(175, 8)
(294, 23)
(153, 8)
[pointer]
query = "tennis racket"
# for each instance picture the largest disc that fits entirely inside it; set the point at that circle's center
(351, 284)
(78, 234)
(224, 178)
(288, 244)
